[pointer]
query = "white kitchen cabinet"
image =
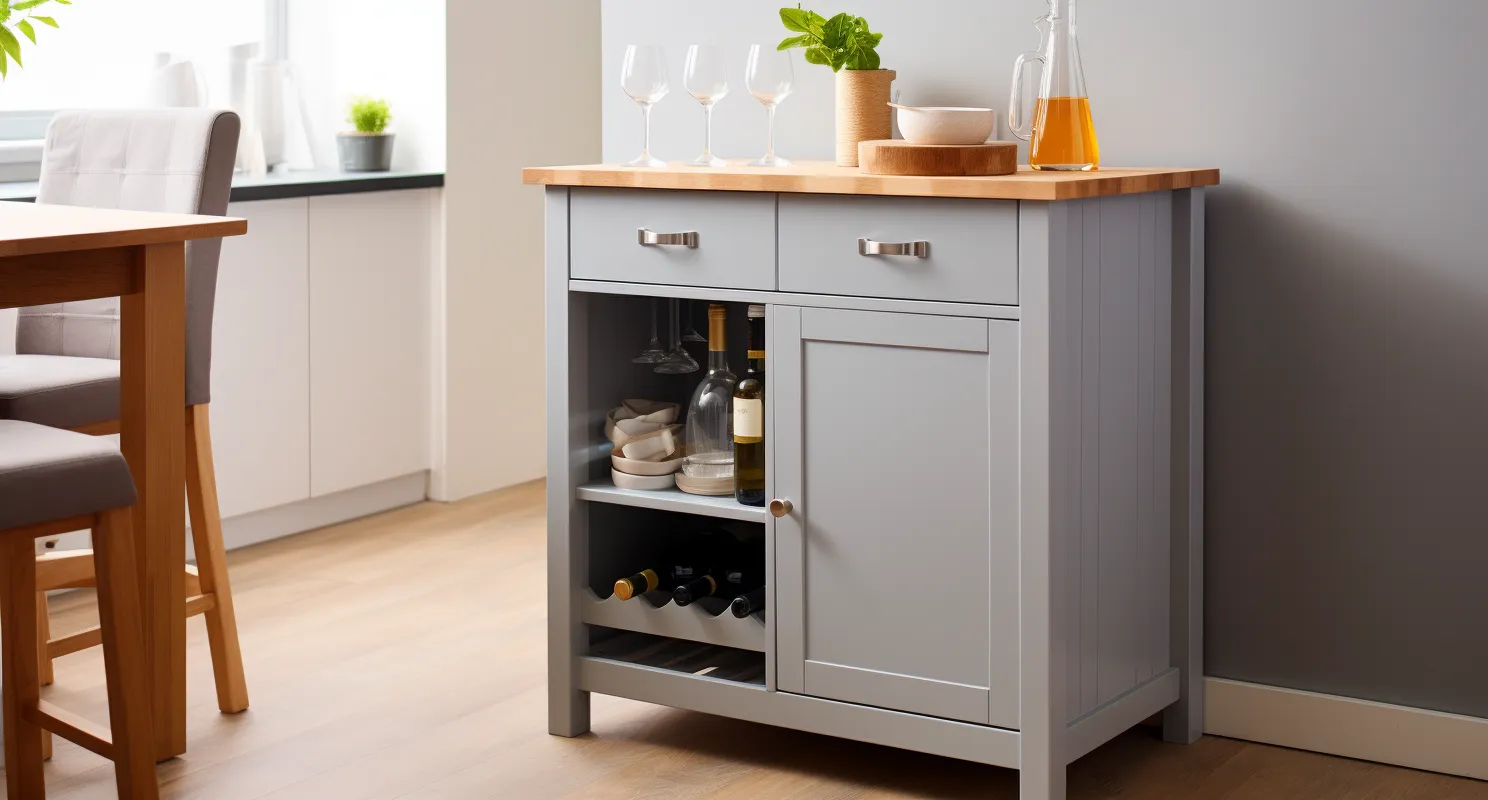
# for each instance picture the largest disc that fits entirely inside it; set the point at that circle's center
(261, 360)
(371, 270)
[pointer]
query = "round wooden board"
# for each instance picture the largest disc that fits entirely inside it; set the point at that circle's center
(898, 157)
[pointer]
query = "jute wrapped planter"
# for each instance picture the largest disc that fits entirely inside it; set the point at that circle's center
(862, 110)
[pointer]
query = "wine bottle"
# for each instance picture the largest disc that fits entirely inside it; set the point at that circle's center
(749, 418)
(709, 549)
(705, 585)
(710, 445)
(652, 580)
(749, 603)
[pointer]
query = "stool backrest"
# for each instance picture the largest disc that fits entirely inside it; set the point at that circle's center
(176, 160)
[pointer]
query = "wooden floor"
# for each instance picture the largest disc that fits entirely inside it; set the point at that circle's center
(402, 656)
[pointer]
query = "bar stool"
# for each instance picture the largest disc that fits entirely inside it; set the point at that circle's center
(66, 372)
(53, 481)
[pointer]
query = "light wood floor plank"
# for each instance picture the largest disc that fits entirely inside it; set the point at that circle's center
(400, 657)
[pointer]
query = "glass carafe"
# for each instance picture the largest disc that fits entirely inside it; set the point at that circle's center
(1061, 134)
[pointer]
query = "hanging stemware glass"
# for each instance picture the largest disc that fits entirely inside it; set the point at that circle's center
(678, 361)
(654, 352)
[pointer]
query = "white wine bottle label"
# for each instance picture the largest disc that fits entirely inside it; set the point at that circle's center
(749, 418)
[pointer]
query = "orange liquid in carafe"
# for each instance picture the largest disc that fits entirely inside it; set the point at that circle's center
(1063, 135)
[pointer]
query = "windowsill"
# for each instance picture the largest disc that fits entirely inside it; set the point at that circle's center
(295, 183)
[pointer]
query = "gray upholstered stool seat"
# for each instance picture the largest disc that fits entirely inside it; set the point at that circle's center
(48, 474)
(60, 391)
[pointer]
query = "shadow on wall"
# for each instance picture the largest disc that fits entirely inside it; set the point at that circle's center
(1347, 454)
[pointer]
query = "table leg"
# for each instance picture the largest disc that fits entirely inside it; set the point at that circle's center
(152, 382)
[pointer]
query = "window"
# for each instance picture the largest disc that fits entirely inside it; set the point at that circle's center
(103, 54)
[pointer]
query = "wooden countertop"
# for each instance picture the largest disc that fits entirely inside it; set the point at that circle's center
(821, 177)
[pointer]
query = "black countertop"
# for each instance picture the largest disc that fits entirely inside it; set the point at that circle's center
(294, 183)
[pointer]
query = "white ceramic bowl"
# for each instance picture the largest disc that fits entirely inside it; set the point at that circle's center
(946, 125)
(654, 483)
(630, 466)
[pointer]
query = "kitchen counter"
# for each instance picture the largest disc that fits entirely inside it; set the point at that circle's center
(821, 177)
(294, 183)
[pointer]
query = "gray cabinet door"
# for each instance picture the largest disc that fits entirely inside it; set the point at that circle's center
(897, 566)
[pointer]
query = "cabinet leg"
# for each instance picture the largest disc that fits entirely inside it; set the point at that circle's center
(568, 712)
(1042, 784)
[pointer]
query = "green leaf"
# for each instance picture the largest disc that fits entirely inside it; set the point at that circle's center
(837, 32)
(25, 27)
(10, 44)
(4, 67)
(869, 40)
(796, 20)
(816, 54)
(804, 40)
(47, 20)
(25, 4)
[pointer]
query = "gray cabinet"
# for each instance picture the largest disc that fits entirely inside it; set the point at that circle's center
(897, 567)
(985, 464)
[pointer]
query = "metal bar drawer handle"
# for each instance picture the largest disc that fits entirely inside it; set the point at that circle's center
(685, 238)
(868, 247)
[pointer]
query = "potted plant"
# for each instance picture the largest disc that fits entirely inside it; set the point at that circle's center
(369, 148)
(10, 46)
(848, 46)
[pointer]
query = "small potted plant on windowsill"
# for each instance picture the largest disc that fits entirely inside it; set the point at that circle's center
(846, 44)
(369, 148)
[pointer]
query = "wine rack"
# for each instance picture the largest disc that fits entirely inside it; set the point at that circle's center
(707, 621)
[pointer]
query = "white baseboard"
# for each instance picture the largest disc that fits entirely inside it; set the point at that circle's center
(1343, 726)
(318, 512)
(305, 515)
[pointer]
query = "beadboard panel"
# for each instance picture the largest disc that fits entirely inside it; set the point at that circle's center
(1112, 472)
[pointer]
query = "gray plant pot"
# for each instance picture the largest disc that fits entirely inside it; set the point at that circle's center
(365, 152)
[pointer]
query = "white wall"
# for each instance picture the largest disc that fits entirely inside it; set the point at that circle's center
(523, 91)
(1347, 410)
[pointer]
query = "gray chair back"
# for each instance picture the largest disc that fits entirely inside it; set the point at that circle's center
(176, 160)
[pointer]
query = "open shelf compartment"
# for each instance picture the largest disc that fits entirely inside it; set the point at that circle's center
(688, 658)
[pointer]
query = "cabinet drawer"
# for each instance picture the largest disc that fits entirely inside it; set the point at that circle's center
(971, 245)
(732, 236)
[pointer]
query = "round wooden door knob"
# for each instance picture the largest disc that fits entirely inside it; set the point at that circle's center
(779, 508)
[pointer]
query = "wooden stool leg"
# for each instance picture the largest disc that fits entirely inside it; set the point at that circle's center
(211, 563)
(43, 652)
(19, 668)
(124, 664)
(44, 635)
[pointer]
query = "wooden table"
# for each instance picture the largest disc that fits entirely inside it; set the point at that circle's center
(53, 254)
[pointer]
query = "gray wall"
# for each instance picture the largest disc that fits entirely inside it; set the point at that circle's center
(1348, 292)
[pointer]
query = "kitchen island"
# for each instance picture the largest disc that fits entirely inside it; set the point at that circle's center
(984, 446)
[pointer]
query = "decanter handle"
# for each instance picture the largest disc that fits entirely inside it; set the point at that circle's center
(1019, 127)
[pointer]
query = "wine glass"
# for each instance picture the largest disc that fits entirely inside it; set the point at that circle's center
(770, 78)
(643, 76)
(706, 80)
(679, 361)
(691, 334)
(654, 353)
